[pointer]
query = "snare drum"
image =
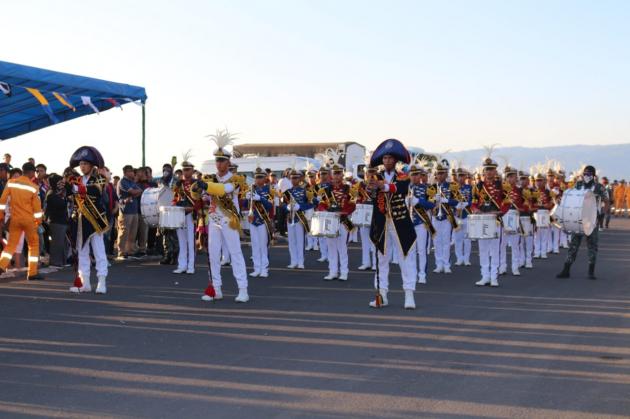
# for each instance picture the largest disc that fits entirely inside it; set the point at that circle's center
(325, 224)
(577, 212)
(542, 218)
(172, 217)
(527, 226)
(511, 222)
(482, 227)
(151, 201)
(362, 215)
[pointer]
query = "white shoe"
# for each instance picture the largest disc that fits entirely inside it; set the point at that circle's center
(264, 275)
(502, 271)
(218, 294)
(308, 248)
(516, 272)
(363, 267)
(330, 277)
(300, 266)
(483, 282)
(459, 263)
(101, 288)
(179, 271)
(543, 256)
(437, 270)
(373, 268)
(78, 290)
(410, 302)
(529, 265)
(447, 271)
(316, 248)
(292, 266)
(225, 262)
(242, 296)
(343, 277)
(385, 303)
(422, 279)
(207, 298)
(494, 282)
(322, 260)
(254, 274)
(467, 263)
(190, 271)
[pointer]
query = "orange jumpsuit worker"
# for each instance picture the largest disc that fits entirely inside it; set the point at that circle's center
(26, 215)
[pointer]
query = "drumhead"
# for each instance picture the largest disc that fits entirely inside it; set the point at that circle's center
(589, 213)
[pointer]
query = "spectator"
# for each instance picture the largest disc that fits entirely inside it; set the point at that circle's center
(31, 161)
(115, 182)
(7, 160)
(128, 193)
(57, 218)
(41, 180)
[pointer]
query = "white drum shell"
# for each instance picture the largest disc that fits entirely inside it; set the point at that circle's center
(172, 217)
(482, 227)
(325, 224)
(542, 218)
(362, 215)
(526, 225)
(577, 211)
(511, 222)
(151, 201)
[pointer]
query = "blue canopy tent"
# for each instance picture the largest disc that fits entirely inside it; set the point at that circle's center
(34, 98)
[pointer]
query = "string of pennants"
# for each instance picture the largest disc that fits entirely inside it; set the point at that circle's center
(7, 90)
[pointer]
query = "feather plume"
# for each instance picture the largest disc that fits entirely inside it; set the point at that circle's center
(222, 138)
(332, 156)
(489, 149)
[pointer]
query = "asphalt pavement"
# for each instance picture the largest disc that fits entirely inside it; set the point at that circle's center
(535, 347)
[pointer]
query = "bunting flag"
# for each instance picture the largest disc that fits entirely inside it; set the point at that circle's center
(5, 88)
(137, 102)
(64, 100)
(44, 102)
(88, 102)
(113, 102)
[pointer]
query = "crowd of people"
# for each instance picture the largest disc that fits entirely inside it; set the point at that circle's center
(85, 216)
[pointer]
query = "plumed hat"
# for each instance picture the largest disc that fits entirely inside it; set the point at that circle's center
(89, 154)
(391, 147)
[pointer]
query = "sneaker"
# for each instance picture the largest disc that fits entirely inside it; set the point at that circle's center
(190, 271)
(528, 265)
(343, 277)
(322, 260)
(448, 271)
(363, 267)
(410, 302)
(254, 274)
(494, 282)
(101, 288)
(330, 277)
(483, 282)
(264, 275)
(242, 296)
(516, 272)
(459, 263)
(300, 266)
(422, 279)
(437, 270)
(292, 266)
(179, 271)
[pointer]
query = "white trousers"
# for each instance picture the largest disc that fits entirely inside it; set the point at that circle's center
(489, 254)
(513, 241)
(186, 240)
(353, 236)
(555, 239)
(295, 232)
(260, 251)
(219, 235)
(442, 242)
(541, 241)
(311, 242)
(225, 253)
(422, 242)
(338, 253)
(368, 256)
(527, 248)
(407, 264)
(98, 249)
(462, 244)
(564, 239)
(323, 247)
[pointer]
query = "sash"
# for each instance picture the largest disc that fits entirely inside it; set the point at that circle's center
(299, 213)
(260, 209)
(499, 219)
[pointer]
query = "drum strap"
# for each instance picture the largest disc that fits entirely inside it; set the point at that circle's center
(494, 202)
(425, 219)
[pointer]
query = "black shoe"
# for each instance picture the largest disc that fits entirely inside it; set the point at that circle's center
(565, 271)
(591, 271)
(165, 261)
(36, 277)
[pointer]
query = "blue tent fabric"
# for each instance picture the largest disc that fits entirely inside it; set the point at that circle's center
(20, 112)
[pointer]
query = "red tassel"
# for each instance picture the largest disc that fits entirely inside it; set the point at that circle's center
(78, 282)
(210, 291)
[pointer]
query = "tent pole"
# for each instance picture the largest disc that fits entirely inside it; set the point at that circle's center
(143, 135)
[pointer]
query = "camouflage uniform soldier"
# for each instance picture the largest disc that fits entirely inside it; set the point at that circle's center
(587, 182)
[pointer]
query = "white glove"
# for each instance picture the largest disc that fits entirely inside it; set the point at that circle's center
(385, 187)
(411, 201)
(229, 187)
(276, 201)
(248, 195)
(256, 197)
(438, 199)
(75, 188)
(462, 205)
(295, 207)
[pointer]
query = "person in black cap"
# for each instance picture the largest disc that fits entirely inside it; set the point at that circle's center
(592, 240)
(392, 230)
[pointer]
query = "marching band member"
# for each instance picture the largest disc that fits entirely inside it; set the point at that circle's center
(527, 242)
(349, 180)
(295, 201)
(544, 201)
(443, 217)
(184, 196)
(392, 230)
(361, 196)
(592, 240)
(260, 198)
(336, 198)
(224, 222)
(464, 197)
(562, 186)
(26, 216)
(514, 198)
(488, 197)
(312, 188)
(89, 221)
(324, 182)
(421, 206)
(555, 230)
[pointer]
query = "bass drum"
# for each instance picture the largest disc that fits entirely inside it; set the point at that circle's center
(577, 211)
(151, 201)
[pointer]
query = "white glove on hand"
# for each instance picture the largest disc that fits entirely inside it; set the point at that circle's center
(229, 188)
(385, 187)
(438, 199)
(276, 201)
(296, 207)
(256, 197)
(248, 195)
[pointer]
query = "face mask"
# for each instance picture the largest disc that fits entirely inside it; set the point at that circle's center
(588, 178)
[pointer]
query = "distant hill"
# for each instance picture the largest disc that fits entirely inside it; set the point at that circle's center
(609, 160)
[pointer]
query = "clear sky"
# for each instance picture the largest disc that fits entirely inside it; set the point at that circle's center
(435, 74)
